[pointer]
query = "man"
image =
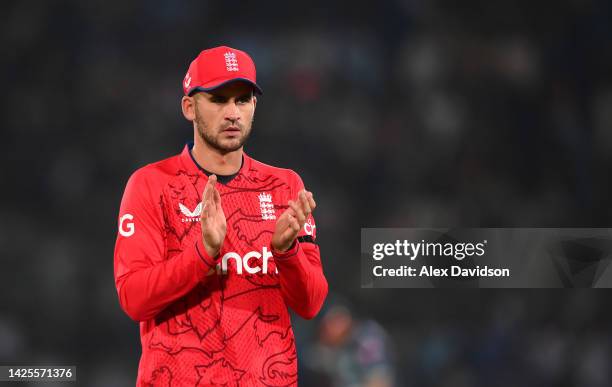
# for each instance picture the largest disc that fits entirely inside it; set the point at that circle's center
(213, 246)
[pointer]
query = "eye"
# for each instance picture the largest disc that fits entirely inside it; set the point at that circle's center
(244, 99)
(218, 99)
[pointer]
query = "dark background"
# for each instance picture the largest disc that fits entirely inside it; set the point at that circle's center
(396, 114)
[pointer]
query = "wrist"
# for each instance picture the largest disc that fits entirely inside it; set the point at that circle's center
(212, 252)
(209, 260)
(282, 249)
(289, 251)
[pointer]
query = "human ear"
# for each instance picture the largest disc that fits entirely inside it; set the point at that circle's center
(188, 107)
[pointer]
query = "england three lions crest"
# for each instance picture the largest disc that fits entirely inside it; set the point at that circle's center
(266, 206)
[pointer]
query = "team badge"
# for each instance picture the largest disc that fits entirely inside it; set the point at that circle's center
(266, 206)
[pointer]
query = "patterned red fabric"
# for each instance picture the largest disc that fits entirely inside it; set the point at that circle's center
(208, 321)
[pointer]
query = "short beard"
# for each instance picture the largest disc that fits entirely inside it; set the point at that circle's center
(212, 141)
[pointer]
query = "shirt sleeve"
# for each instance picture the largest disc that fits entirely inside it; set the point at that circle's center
(303, 284)
(146, 280)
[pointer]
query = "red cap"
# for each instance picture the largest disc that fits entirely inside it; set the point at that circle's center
(218, 66)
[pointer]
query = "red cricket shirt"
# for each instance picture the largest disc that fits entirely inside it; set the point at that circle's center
(214, 320)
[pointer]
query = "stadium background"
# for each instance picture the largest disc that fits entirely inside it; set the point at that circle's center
(407, 113)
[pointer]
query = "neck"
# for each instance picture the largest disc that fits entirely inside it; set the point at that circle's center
(214, 161)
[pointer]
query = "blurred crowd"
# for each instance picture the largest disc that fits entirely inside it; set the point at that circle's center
(405, 113)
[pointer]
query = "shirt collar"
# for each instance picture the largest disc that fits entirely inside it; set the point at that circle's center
(192, 166)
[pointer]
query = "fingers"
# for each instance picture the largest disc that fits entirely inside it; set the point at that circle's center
(208, 188)
(217, 198)
(205, 210)
(303, 206)
(210, 197)
(287, 227)
(289, 220)
(304, 201)
(311, 200)
(294, 224)
(298, 212)
(307, 196)
(212, 182)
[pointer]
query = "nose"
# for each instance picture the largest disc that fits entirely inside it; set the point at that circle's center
(232, 113)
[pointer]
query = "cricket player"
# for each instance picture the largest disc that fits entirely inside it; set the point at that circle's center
(214, 246)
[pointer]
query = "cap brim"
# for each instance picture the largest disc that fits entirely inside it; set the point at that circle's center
(256, 89)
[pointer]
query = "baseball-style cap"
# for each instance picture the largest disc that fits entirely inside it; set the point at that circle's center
(218, 66)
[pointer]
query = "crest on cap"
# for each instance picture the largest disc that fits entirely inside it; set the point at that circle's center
(231, 63)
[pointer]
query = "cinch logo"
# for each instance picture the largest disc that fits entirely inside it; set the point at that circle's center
(246, 264)
(191, 216)
(309, 227)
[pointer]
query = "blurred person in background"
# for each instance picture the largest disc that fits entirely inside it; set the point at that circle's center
(214, 246)
(348, 352)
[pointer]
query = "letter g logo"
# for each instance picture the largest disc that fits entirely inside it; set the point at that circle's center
(129, 226)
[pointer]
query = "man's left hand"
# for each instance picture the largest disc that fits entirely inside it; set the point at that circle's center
(289, 224)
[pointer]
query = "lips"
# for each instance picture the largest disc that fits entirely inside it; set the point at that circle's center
(232, 130)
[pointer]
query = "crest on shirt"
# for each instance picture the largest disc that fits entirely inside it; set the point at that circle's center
(266, 207)
(191, 216)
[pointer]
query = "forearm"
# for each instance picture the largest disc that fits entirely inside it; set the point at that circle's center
(303, 284)
(144, 292)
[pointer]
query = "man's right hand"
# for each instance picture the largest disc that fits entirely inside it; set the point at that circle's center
(214, 225)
